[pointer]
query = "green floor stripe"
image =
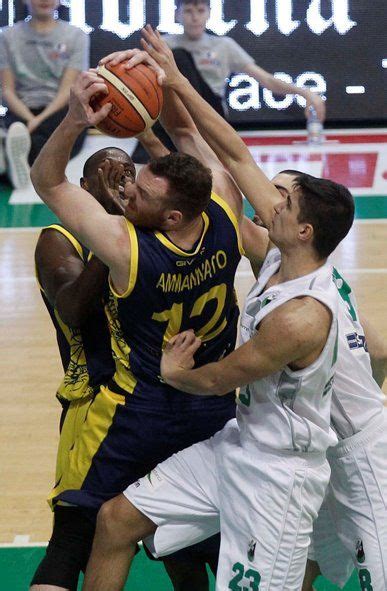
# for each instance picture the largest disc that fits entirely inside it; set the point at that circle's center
(371, 207)
(17, 566)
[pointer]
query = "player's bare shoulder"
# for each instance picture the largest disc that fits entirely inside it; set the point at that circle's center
(301, 327)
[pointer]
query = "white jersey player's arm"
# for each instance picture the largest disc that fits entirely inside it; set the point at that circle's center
(294, 335)
(180, 126)
(377, 348)
(152, 144)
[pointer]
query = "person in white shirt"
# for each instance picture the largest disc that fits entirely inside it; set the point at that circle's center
(208, 60)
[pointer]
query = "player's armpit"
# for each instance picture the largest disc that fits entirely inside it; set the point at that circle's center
(255, 241)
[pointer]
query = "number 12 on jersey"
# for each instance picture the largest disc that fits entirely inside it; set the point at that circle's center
(174, 316)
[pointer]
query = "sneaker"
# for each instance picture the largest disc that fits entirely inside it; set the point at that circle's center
(17, 147)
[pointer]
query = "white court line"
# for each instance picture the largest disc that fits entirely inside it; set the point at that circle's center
(17, 229)
(26, 545)
(32, 544)
(21, 539)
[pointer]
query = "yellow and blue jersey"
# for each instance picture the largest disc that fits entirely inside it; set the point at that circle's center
(171, 290)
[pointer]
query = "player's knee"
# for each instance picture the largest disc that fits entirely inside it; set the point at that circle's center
(119, 521)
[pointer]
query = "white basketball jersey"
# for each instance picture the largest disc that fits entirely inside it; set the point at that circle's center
(356, 398)
(290, 410)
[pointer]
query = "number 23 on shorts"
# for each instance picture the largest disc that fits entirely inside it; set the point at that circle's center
(242, 577)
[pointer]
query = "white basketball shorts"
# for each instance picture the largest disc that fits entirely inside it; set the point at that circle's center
(264, 504)
(351, 529)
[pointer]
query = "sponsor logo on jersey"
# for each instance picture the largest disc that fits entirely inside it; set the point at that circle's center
(154, 479)
(207, 269)
(356, 341)
(269, 298)
(251, 549)
(360, 556)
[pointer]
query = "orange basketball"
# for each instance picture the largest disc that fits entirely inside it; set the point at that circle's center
(136, 96)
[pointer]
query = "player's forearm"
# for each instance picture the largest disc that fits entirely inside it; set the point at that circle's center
(280, 87)
(203, 381)
(48, 171)
(78, 299)
(231, 151)
(227, 145)
(174, 117)
(154, 147)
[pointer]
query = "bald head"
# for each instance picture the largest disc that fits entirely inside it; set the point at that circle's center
(90, 179)
(114, 154)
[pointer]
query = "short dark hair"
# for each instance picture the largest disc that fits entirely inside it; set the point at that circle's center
(328, 206)
(94, 161)
(190, 182)
(180, 3)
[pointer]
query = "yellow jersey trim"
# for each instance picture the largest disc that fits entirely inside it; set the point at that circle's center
(133, 265)
(233, 219)
(166, 242)
(69, 237)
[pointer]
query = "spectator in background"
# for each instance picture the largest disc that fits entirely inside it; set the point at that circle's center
(39, 60)
(208, 60)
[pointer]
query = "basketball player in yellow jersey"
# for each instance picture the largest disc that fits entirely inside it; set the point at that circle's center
(73, 284)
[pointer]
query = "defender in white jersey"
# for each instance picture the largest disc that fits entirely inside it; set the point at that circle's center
(351, 529)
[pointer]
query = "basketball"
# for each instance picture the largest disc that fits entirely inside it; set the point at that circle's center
(136, 96)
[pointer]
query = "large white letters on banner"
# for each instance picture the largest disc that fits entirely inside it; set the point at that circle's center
(77, 14)
(111, 19)
(216, 23)
(247, 97)
(258, 23)
(167, 22)
(340, 17)
(286, 24)
(282, 103)
(242, 99)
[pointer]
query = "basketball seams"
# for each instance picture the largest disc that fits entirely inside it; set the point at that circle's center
(120, 86)
(125, 128)
(144, 72)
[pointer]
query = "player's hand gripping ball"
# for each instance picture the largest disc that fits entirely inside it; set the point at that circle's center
(136, 97)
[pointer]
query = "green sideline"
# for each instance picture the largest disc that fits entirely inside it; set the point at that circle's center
(38, 215)
(17, 566)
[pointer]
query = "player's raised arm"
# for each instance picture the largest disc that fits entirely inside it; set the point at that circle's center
(220, 136)
(103, 233)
